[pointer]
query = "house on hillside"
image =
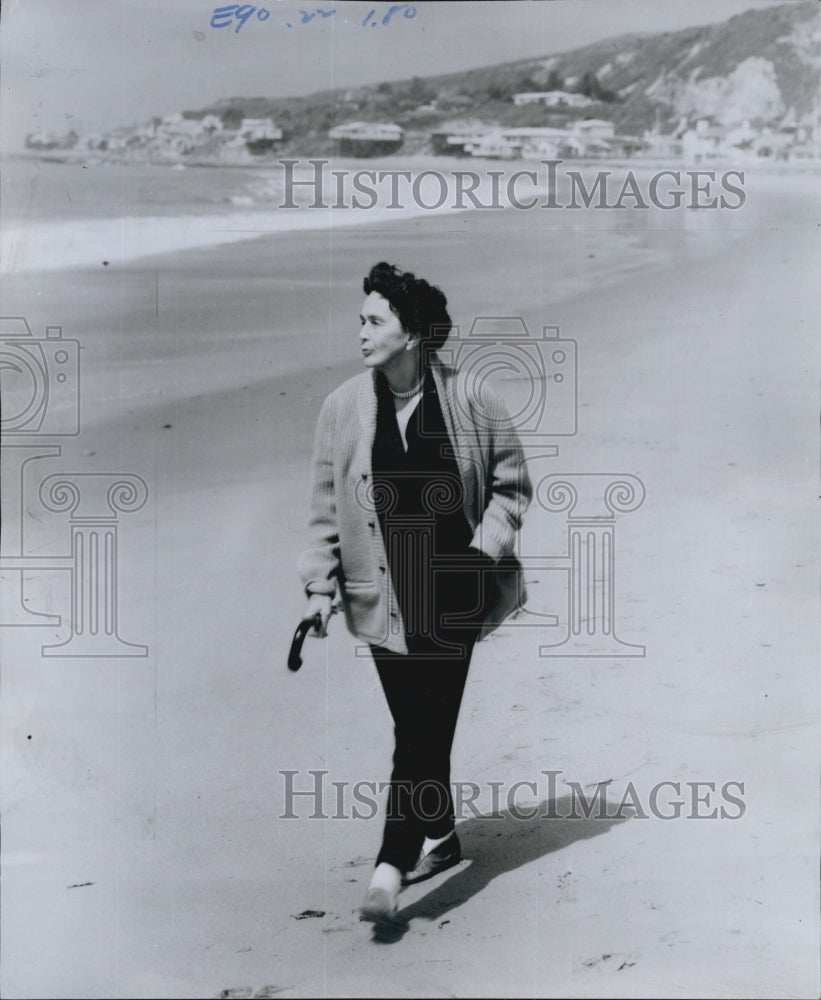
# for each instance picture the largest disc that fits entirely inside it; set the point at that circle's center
(661, 145)
(259, 128)
(92, 141)
(628, 145)
(254, 135)
(552, 99)
(494, 147)
(535, 143)
(423, 110)
(791, 139)
(455, 101)
(175, 125)
(454, 142)
(209, 125)
(51, 139)
(706, 141)
(525, 143)
(774, 144)
(367, 138)
(594, 137)
(593, 128)
(260, 135)
(142, 134)
(741, 136)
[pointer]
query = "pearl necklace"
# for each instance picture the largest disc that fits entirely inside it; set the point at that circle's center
(409, 392)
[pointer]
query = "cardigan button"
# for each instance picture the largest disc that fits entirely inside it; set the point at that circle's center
(381, 569)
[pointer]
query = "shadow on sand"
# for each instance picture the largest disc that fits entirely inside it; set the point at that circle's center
(495, 844)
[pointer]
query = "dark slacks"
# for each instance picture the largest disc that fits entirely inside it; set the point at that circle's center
(424, 693)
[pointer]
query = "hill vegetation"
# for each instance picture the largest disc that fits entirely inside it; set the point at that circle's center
(758, 65)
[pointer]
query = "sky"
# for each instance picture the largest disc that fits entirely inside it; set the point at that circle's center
(95, 64)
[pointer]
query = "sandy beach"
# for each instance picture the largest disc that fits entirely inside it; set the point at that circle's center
(145, 851)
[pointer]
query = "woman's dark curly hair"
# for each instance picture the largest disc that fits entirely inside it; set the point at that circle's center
(421, 307)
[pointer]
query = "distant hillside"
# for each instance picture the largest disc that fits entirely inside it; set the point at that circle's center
(760, 65)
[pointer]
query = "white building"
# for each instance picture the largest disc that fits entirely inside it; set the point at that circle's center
(539, 142)
(528, 143)
(367, 138)
(174, 125)
(368, 132)
(594, 128)
(552, 99)
(51, 139)
(209, 125)
(254, 129)
(741, 135)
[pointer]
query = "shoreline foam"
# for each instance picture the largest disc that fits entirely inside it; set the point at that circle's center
(32, 247)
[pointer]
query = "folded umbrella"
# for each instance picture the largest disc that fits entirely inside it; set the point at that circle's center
(304, 627)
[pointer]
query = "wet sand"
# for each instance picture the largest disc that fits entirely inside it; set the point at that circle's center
(144, 851)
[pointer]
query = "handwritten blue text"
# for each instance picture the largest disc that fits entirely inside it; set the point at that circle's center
(237, 15)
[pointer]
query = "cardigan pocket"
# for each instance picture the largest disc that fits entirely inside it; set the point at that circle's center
(361, 596)
(366, 610)
(508, 593)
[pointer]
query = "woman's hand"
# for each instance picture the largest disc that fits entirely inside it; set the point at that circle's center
(320, 603)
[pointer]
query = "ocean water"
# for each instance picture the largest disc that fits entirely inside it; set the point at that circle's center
(71, 215)
(44, 191)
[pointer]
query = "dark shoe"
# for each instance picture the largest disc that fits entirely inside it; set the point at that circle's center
(379, 908)
(446, 855)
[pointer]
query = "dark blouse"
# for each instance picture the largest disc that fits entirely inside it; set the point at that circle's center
(419, 498)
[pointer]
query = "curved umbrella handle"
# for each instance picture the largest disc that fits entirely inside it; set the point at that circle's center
(304, 627)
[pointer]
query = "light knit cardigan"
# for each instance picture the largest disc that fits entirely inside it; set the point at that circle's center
(346, 545)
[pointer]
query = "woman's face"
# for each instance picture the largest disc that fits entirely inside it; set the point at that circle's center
(383, 338)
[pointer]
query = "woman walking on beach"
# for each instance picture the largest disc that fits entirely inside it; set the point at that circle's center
(419, 488)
